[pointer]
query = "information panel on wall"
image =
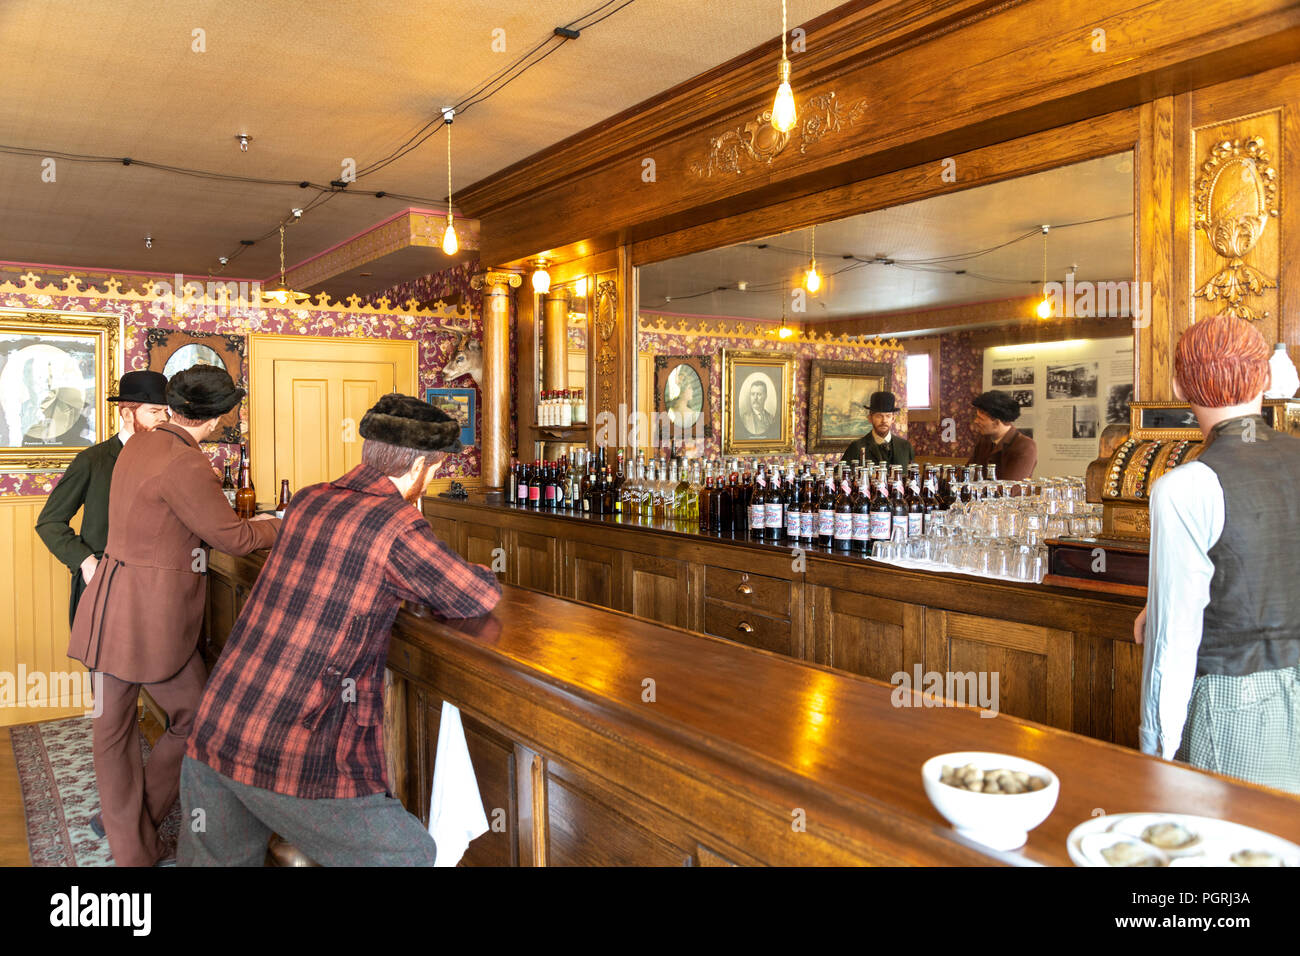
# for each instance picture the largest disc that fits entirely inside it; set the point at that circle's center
(1067, 392)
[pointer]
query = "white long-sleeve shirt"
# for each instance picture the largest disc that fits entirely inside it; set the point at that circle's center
(1187, 514)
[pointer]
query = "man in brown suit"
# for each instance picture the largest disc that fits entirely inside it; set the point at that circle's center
(1001, 444)
(138, 622)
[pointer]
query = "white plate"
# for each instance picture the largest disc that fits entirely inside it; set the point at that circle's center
(1219, 839)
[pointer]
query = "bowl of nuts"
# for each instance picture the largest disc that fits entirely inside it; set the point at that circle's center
(993, 799)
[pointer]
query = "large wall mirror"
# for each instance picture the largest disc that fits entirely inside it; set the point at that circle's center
(940, 299)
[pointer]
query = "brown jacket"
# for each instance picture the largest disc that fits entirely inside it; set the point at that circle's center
(139, 618)
(1014, 457)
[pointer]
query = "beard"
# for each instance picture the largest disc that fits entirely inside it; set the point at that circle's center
(416, 490)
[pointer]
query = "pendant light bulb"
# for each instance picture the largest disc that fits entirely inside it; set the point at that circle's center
(450, 245)
(1045, 307)
(811, 280)
(783, 111)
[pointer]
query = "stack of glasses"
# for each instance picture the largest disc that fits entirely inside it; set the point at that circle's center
(1001, 532)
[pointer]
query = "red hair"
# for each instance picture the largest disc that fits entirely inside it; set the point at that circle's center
(1221, 361)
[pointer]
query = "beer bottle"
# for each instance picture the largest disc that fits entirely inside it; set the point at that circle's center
(915, 508)
(758, 506)
(793, 507)
(808, 511)
(930, 502)
(844, 514)
(774, 514)
(245, 496)
(898, 503)
(283, 503)
(228, 486)
(862, 514)
(826, 511)
(882, 515)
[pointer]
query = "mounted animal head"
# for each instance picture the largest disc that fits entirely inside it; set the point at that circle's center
(466, 356)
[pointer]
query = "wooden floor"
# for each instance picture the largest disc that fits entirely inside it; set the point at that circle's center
(13, 822)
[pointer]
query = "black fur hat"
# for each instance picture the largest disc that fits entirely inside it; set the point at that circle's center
(998, 405)
(202, 392)
(410, 423)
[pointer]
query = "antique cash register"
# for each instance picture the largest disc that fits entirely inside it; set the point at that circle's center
(1159, 436)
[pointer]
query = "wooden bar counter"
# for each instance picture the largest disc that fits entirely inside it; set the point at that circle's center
(601, 738)
(1065, 657)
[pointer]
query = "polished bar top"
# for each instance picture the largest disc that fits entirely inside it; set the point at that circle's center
(832, 741)
(685, 531)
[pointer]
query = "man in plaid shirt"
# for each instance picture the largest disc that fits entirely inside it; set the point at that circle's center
(289, 734)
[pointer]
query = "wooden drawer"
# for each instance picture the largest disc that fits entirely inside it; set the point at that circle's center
(769, 595)
(746, 627)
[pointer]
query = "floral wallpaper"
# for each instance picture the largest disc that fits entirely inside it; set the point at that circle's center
(961, 379)
(354, 319)
(705, 336)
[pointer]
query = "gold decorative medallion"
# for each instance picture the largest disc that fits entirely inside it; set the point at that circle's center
(1236, 194)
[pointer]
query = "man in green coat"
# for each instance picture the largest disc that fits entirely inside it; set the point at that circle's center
(85, 483)
(881, 445)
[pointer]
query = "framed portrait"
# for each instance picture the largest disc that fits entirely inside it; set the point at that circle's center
(683, 412)
(172, 350)
(459, 403)
(757, 402)
(838, 401)
(57, 370)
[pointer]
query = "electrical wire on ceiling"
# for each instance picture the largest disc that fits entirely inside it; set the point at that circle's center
(930, 265)
(325, 192)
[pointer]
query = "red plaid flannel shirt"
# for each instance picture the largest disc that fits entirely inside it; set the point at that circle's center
(295, 703)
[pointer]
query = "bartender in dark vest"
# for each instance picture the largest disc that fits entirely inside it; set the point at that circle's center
(84, 486)
(1000, 443)
(881, 445)
(1221, 665)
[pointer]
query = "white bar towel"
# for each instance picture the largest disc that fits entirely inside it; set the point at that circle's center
(455, 807)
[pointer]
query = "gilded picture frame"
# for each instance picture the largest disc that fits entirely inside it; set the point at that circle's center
(57, 370)
(682, 403)
(837, 395)
(757, 402)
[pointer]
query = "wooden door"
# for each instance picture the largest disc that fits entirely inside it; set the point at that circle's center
(591, 573)
(533, 562)
(656, 588)
(308, 397)
(318, 406)
(866, 634)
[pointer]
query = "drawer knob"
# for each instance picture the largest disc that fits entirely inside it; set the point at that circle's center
(744, 589)
(746, 627)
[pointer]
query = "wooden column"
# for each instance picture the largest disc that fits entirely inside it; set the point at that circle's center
(495, 451)
(555, 342)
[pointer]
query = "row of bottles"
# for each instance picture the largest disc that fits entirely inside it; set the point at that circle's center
(242, 496)
(837, 506)
(561, 408)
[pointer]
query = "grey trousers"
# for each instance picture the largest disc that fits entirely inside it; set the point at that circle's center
(237, 821)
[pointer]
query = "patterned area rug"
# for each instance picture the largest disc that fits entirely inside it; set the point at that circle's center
(56, 769)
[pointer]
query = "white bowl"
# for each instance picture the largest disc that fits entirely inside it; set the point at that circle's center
(1001, 821)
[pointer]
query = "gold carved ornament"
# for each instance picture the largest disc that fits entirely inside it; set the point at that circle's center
(606, 324)
(1236, 194)
(757, 141)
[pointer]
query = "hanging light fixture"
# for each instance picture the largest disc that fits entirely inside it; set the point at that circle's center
(784, 331)
(282, 294)
(450, 245)
(812, 281)
(541, 278)
(783, 111)
(1045, 307)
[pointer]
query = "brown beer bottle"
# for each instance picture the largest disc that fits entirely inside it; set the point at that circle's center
(284, 498)
(245, 496)
(228, 486)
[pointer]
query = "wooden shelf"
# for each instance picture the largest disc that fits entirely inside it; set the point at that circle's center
(560, 431)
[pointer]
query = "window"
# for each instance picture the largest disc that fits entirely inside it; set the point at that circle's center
(923, 380)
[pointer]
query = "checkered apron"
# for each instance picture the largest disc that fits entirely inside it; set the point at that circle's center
(1246, 727)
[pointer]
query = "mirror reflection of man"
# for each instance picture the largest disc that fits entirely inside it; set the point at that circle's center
(1000, 443)
(142, 406)
(881, 445)
(755, 418)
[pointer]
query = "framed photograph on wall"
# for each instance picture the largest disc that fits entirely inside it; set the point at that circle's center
(459, 403)
(172, 350)
(757, 402)
(838, 397)
(56, 373)
(683, 411)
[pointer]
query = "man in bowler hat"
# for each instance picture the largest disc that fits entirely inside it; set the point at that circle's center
(138, 623)
(289, 737)
(881, 445)
(142, 407)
